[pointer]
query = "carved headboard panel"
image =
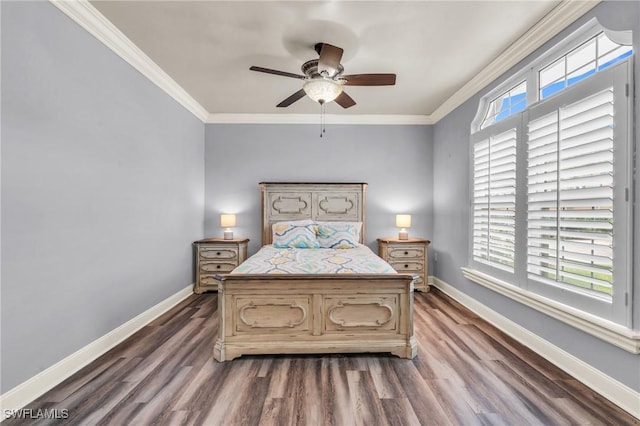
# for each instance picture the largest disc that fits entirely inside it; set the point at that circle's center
(326, 202)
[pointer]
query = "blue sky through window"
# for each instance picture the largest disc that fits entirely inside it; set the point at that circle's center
(512, 105)
(554, 88)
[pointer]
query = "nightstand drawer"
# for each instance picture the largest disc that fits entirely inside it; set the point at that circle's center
(408, 266)
(211, 253)
(215, 267)
(405, 252)
(208, 280)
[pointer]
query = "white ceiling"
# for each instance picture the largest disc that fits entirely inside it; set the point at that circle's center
(434, 47)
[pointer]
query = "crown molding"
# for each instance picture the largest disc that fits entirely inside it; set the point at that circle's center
(566, 13)
(89, 18)
(405, 120)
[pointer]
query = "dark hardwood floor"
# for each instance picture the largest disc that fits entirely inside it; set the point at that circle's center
(466, 373)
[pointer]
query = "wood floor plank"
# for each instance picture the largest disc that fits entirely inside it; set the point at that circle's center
(336, 394)
(198, 391)
(540, 405)
(248, 407)
(481, 345)
(279, 372)
(313, 372)
(399, 412)
(466, 373)
(489, 391)
(223, 402)
(103, 405)
(367, 409)
(385, 381)
(175, 344)
(295, 388)
(153, 411)
(425, 404)
(453, 398)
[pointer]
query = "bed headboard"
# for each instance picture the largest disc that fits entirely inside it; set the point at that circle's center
(326, 202)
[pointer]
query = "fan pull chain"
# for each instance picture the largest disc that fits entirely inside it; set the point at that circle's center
(322, 119)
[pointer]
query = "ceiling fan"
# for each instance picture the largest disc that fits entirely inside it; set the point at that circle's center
(323, 79)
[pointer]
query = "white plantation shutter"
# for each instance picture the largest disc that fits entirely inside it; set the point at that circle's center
(570, 195)
(494, 196)
(481, 200)
(542, 196)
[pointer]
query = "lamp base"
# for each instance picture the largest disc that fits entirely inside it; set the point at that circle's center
(403, 235)
(228, 235)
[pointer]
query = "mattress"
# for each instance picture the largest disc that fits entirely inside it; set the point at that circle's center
(271, 260)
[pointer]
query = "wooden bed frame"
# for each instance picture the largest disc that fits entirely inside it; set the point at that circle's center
(314, 313)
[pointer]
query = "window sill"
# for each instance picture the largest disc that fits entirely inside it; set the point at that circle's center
(617, 335)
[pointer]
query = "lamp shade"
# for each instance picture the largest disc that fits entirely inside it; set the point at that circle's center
(403, 220)
(227, 220)
(322, 90)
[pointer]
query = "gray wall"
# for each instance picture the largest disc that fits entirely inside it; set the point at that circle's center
(451, 217)
(394, 160)
(102, 183)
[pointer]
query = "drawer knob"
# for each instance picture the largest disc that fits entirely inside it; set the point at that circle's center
(217, 266)
(406, 266)
(406, 253)
(218, 253)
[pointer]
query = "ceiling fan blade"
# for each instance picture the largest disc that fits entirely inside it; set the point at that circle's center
(291, 99)
(276, 72)
(330, 57)
(370, 79)
(344, 100)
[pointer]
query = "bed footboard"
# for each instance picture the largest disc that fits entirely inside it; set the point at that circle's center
(308, 314)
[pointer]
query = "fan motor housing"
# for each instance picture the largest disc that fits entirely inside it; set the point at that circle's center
(310, 69)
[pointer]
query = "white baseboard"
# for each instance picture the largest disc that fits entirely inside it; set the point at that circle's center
(31, 389)
(616, 392)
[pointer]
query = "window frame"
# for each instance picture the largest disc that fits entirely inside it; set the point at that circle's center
(514, 121)
(621, 305)
(616, 310)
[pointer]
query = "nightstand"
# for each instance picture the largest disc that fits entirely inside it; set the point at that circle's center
(217, 256)
(407, 256)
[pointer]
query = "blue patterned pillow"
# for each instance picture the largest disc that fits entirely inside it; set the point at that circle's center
(339, 235)
(299, 234)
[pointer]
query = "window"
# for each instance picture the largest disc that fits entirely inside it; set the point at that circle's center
(507, 104)
(596, 54)
(551, 173)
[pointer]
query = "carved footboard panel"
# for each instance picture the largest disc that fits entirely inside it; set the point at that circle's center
(293, 314)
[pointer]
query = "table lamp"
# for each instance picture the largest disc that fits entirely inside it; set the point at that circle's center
(228, 221)
(403, 221)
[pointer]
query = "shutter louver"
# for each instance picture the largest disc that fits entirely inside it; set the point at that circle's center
(570, 195)
(494, 180)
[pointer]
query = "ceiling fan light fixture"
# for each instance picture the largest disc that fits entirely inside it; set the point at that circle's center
(322, 90)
